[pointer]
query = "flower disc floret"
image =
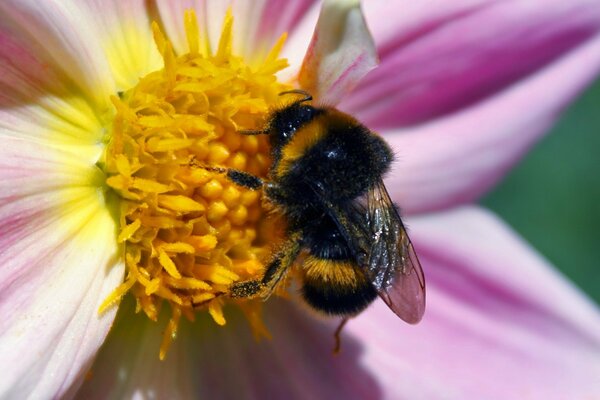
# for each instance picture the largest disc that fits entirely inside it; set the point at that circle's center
(187, 231)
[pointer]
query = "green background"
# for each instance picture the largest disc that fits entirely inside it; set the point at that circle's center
(552, 198)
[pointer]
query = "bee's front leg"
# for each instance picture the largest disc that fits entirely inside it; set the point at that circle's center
(236, 176)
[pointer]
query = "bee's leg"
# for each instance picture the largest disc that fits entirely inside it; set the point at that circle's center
(244, 179)
(236, 176)
(274, 273)
(337, 336)
(259, 287)
(253, 132)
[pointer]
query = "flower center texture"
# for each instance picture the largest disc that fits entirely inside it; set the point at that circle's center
(188, 232)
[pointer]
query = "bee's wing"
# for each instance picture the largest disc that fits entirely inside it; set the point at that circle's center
(376, 236)
(392, 263)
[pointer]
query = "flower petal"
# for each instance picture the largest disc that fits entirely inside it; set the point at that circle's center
(257, 24)
(58, 243)
(123, 29)
(59, 262)
(501, 323)
(62, 41)
(456, 159)
(208, 361)
(340, 54)
(438, 58)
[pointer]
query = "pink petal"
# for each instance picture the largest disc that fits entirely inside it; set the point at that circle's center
(207, 361)
(60, 40)
(456, 159)
(340, 54)
(501, 323)
(297, 43)
(59, 262)
(58, 248)
(39, 103)
(439, 58)
(257, 24)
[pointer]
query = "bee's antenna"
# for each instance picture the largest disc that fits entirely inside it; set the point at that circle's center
(307, 96)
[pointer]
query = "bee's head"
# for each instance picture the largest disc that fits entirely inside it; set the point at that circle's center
(285, 121)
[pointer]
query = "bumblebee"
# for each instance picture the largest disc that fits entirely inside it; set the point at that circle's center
(326, 180)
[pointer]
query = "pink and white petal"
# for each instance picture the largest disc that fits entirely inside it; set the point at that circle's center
(24, 76)
(257, 24)
(280, 17)
(439, 58)
(501, 323)
(297, 44)
(456, 159)
(341, 52)
(123, 29)
(37, 101)
(30, 168)
(38, 104)
(208, 361)
(51, 125)
(60, 261)
(63, 41)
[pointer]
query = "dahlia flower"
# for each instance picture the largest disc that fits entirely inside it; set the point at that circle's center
(107, 109)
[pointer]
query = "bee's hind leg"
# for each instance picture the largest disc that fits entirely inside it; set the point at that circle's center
(274, 272)
(338, 336)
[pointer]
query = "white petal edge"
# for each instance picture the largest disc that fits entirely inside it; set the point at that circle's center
(341, 52)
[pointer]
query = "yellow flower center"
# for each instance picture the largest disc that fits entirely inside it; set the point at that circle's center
(189, 232)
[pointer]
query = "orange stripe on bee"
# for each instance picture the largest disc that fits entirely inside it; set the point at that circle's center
(304, 138)
(338, 272)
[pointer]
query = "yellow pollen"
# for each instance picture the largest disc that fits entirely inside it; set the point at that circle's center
(189, 232)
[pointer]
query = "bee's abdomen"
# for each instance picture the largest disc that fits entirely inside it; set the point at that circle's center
(337, 287)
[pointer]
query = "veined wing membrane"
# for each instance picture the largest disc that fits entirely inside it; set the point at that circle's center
(392, 263)
(377, 237)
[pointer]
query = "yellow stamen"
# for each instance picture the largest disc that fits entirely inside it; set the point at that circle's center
(189, 232)
(170, 333)
(191, 31)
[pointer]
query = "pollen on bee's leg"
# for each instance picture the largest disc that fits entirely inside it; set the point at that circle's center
(189, 233)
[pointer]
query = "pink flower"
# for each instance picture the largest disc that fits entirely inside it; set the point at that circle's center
(463, 89)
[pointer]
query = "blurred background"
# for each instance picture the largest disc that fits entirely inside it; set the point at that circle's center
(552, 198)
